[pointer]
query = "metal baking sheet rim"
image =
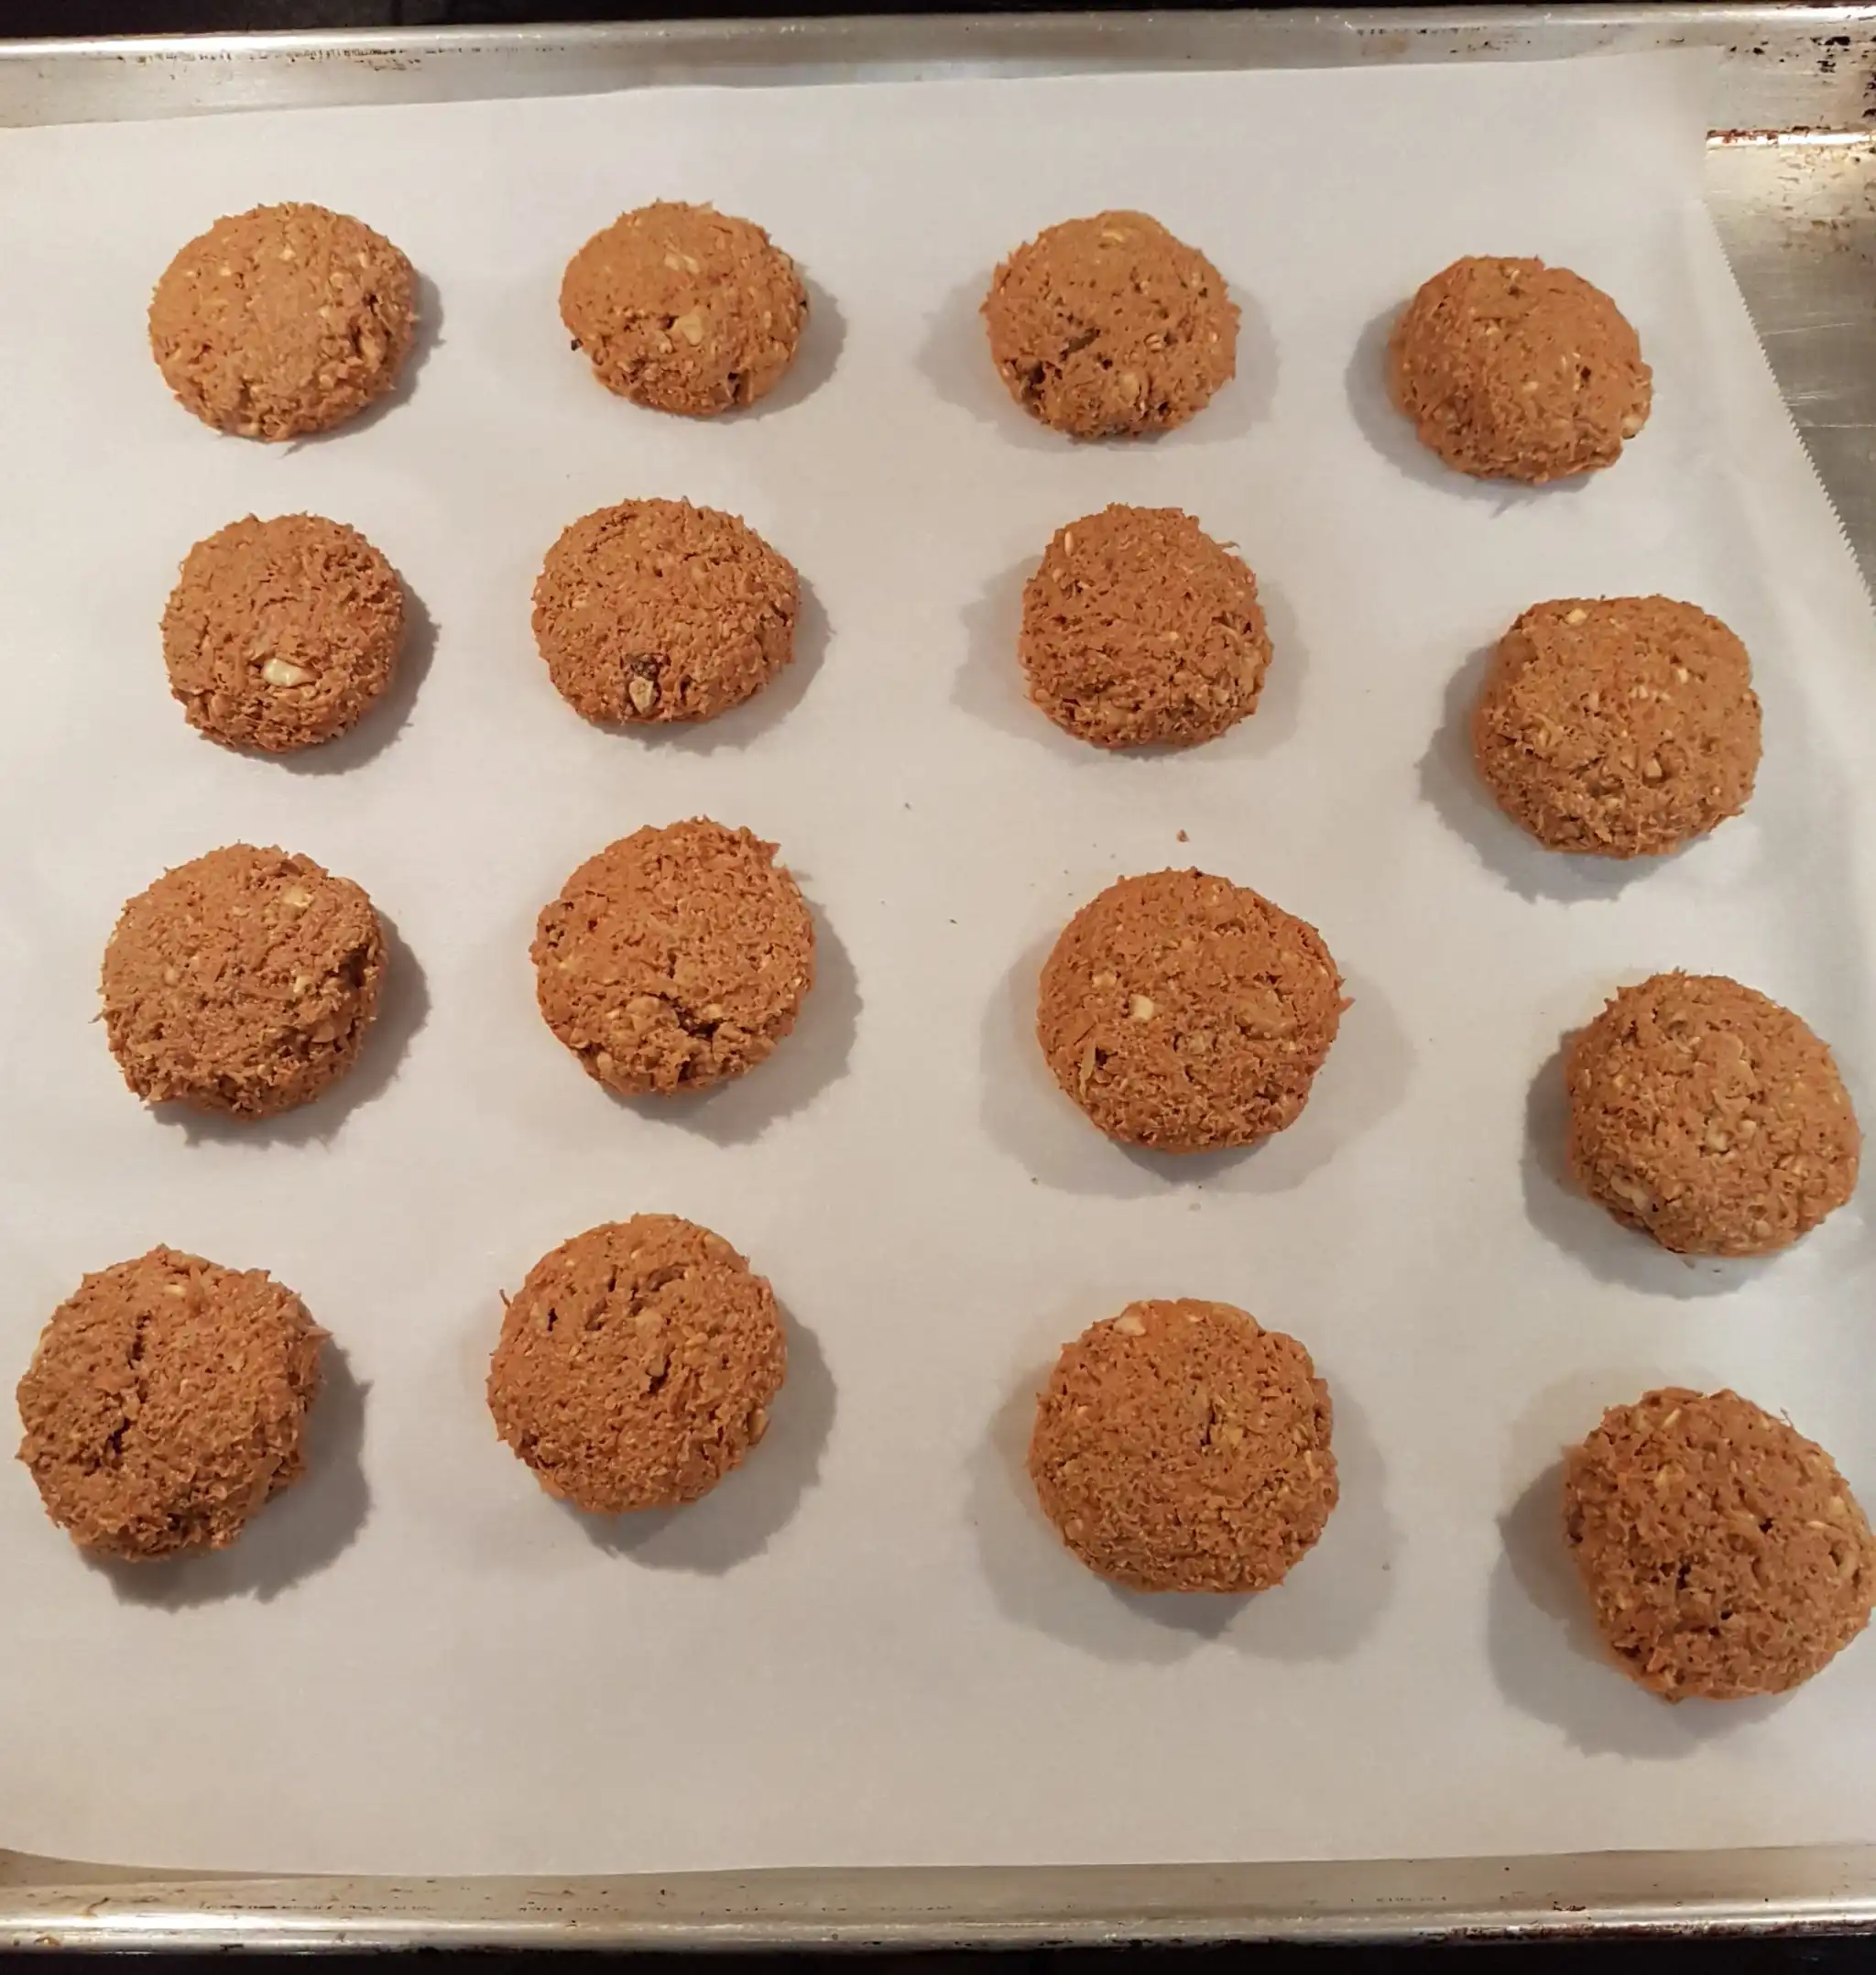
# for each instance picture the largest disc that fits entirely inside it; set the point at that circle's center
(1786, 68)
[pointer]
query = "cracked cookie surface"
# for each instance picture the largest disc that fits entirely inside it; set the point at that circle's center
(241, 982)
(1180, 1446)
(165, 1403)
(674, 958)
(1708, 1116)
(283, 321)
(684, 309)
(1184, 1013)
(281, 634)
(654, 611)
(1111, 327)
(636, 1365)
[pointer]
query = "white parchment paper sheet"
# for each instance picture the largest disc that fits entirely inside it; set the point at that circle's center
(866, 1648)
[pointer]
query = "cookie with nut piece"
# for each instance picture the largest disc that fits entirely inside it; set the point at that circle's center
(655, 611)
(1184, 1013)
(1722, 1552)
(1617, 726)
(282, 634)
(674, 959)
(1513, 370)
(283, 321)
(636, 1365)
(684, 309)
(1706, 1116)
(166, 1404)
(1138, 631)
(243, 982)
(1111, 327)
(1180, 1446)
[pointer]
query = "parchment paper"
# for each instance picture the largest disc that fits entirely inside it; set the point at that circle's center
(866, 1647)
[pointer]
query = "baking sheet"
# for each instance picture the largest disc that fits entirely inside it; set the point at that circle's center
(866, 1648)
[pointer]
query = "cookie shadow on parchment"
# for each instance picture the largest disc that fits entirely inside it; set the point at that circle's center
(384, 722)
(817, 357)
(1334, 1598)
(1027, 1114)
(1391, 434)
(403, 1009)
(295, 1536)
(990, 686)
(744, 1510)
(1450, 782)
(1323, 1611)
(808, 1058)
(427, 339)
(954, 359)
(1569, 1219)
(1547, 1656)
(757, 716)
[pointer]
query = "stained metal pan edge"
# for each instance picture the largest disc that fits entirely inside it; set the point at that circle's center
(1611, 1893)
(1783, 69)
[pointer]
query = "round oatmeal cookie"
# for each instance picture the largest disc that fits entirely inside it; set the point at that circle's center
(241, 982)
(656, 611)
(636, 1365)
(281, 634)
(1723, 1553)
(1512, 370)
(165, 1403)
(1709, 1117)
(1185, 1013)
(1617, 726)
(1180, 1446)
(675, 958)
(1139, 629)
(283, 321)
(1110, 326)
(684, 309)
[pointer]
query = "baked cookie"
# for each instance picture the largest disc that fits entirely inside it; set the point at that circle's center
(165, 1403)
(1180, 1446)
(1110, 326)
(1619, 727)
(675, 958)
(1185, 1013)
(1709, 1117)
(283, 321)
(684, 309)
(1723, 1553)
(1139, 628)
(1512, 370)
(281, 634)
(656, 611)
(241, 982)
(636, 1365)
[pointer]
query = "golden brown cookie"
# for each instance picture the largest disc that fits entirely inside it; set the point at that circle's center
(1139, 628)
(241, 982)
(1617, 726)
(283, 321)
(1512, 370)
(656, 611)
(1185, 1013)
(1110, 326)
(281, 634)
(165, 1403)
(1180, 1446)
(1709, 1117)
(675, 958)
(636, 1365)
(684, 309)
(1723, 1553)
